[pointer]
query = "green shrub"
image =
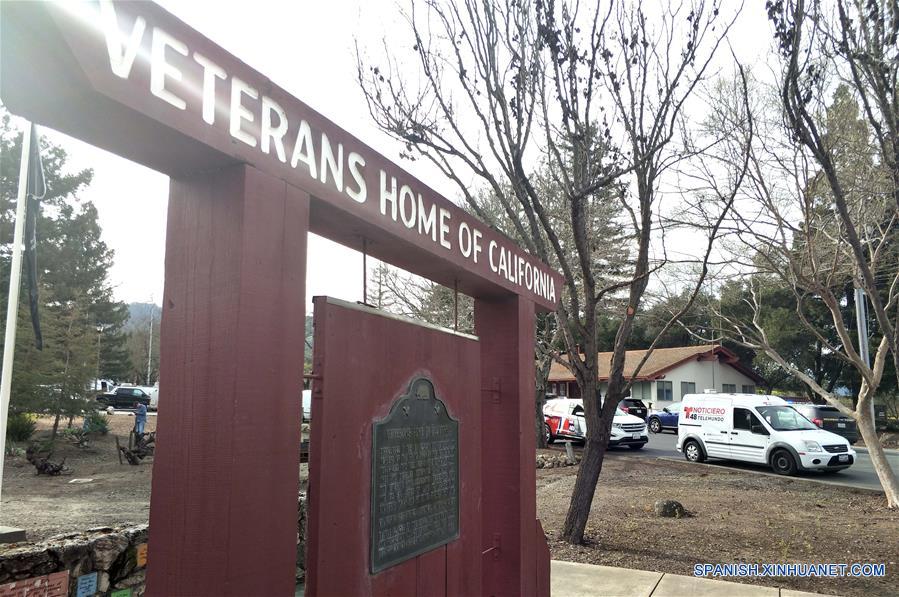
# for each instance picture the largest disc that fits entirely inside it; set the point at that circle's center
(20, 427)
(94, 422)
(12, 450)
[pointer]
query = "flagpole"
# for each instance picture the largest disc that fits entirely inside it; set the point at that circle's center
(12, 305)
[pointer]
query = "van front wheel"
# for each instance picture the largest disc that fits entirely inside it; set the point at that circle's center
(693, 451)
(783, 463)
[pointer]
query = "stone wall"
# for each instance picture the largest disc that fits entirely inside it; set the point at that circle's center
(301, 538)
(117, 555)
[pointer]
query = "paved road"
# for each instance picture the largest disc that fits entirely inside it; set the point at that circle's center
(860, 474)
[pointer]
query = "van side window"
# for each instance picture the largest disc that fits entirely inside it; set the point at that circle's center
(742, 419)
(746, 419)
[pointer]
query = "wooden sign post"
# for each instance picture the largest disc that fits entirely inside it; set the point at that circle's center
(253, 170)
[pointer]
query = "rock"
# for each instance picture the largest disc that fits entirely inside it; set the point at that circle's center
(669, 509)
(550, 464)
(540, 463)
(107, 549)
(301, 537)
(133, 580)
(102, 582)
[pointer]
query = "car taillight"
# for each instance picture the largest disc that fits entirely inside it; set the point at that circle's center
(818, 422)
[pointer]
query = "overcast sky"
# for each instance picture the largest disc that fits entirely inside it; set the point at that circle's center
(307, 47)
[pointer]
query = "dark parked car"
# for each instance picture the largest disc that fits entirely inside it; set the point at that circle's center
(830, 419)
(664, 419)
(633, 406)
(124, 398)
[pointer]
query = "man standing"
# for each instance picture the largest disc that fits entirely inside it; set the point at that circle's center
(140, 419)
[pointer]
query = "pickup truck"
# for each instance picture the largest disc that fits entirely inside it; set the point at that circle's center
(124, 397)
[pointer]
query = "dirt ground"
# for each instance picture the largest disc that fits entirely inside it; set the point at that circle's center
(44, 506)
(735, 517)
(117, 493)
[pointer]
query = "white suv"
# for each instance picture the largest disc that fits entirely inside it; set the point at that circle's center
(760, 429)
(564, 419)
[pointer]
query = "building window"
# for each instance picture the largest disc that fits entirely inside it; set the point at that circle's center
(687, 387)
(749, 389)
(644, 393)
(729, 388)
(664, 390)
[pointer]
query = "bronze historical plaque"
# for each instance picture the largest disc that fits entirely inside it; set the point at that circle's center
(414, 477)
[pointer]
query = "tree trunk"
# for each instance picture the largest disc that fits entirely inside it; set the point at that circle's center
(584, 488)
(540, 420)
(599, 425)
(885, 473)
(55, 425)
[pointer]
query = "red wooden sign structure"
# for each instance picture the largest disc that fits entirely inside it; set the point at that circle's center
(383, 354)
(252, 170)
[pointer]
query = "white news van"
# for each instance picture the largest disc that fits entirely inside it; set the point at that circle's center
(760, 429)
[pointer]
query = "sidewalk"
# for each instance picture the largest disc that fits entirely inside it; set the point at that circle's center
(568, 579)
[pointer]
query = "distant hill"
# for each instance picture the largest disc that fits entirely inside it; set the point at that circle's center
(139, 314)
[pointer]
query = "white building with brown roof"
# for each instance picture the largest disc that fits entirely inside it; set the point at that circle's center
(668, 374)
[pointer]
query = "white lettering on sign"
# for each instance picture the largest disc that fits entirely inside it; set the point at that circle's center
(211, 72)
(273, 135)
(160, 68)
(302, 149)
(360, 194)
(239, 112)
(332, 164)
(121, 59)
(188, 81)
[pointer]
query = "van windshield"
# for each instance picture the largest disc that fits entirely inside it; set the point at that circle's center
(784, 418)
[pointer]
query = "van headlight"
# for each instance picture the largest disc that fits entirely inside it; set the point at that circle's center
(616, 426)
(812, 447)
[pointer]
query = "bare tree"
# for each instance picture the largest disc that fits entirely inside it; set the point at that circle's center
(400, 292)
(819, 215)
(597, 93)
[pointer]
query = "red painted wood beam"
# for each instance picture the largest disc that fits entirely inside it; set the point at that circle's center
(226, 468)
(505, 328)
(133, 79)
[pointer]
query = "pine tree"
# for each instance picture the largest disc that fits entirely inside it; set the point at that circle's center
(77, 306)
